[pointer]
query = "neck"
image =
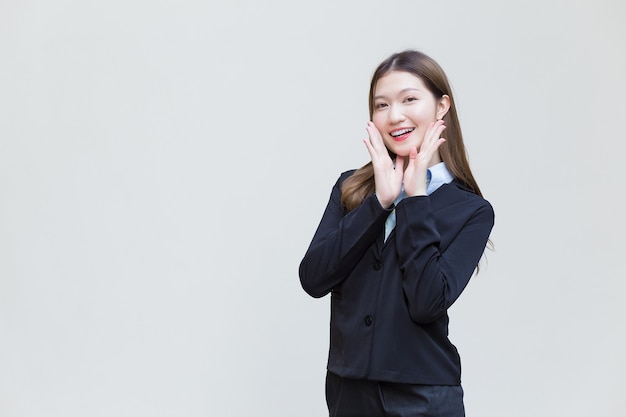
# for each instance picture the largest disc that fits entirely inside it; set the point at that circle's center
(434, 161)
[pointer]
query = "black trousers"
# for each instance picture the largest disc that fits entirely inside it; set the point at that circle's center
(363, 398)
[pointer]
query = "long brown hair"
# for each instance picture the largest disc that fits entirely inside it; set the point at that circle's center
(361, 184)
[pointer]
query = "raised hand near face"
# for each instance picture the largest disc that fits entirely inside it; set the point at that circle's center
(415, 171)
(387, 178)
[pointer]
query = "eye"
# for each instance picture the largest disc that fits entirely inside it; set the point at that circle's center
(379, 106)
(410, 99)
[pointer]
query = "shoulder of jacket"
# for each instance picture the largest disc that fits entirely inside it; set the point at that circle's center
(344, 175)
(470, 194)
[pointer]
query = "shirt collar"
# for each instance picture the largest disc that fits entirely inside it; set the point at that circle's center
(436, 176)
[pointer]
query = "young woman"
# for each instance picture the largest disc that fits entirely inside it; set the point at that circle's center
(397, 244)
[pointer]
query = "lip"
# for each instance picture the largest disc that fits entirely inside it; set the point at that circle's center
(403, 137)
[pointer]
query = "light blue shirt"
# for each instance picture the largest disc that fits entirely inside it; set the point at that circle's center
(436, 176)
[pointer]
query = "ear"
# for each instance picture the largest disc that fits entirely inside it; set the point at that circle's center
(443, 106)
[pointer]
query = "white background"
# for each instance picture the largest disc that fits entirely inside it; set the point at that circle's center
(164, 164)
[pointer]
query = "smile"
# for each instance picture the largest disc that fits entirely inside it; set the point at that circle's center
(401, 134)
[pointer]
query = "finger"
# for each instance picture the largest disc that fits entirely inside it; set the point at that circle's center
(412, 161)
(374, 136)
(435, 129)
(371, 141)
(399, 165)
(433, 148)
(440, 130)
(370, 148)
(433, 136)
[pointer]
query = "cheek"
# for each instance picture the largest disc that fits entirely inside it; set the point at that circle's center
(379, 123)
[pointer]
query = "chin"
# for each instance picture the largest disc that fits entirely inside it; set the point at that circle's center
(402, 153)
(402, 150)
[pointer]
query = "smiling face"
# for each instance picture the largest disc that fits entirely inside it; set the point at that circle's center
(403, 110)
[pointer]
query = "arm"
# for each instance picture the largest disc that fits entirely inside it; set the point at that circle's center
(432, 279)
(339, 243)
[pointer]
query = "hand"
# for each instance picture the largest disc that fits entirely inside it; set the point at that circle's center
(387, 178)
(415, 172)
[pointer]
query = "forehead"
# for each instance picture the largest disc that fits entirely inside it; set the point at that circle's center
(396, 81)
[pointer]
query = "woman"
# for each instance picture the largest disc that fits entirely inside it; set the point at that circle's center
(397, 244)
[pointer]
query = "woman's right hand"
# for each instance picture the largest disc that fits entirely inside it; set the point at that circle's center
(387, 178)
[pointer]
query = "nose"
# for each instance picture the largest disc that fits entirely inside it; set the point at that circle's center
(396, 115)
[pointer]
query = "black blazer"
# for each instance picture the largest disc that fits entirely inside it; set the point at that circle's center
(389, 300)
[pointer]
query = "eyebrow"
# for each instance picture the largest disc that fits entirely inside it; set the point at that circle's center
(404, 90)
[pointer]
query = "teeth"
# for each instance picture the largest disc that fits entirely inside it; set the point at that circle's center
(401, 132)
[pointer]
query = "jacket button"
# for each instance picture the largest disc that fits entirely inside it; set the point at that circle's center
(368, 320)
(377, 265)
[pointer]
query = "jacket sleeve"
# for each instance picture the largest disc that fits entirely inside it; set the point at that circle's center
(434, 278)
(340, 241)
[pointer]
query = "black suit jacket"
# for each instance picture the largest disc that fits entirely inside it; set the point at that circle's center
(389, 300)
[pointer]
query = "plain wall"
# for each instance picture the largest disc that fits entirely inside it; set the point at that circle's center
(164, 165)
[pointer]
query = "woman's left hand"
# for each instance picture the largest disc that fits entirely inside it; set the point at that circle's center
(415, 172)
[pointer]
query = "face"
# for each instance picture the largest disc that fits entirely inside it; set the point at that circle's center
(404, 109)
